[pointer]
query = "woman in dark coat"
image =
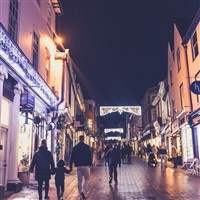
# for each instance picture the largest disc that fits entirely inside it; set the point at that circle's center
(43, 163)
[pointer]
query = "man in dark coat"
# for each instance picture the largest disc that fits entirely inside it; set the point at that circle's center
(43, 163)
(114, 159)
(82, 158)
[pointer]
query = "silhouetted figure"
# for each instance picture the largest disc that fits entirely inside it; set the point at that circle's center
(82, 159)
(43, 163)
(60, 172)
(114, 159)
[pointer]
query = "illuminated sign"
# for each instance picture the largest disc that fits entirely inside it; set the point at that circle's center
(104, 110)
(195, 87)
(107, 130)
(113, 138)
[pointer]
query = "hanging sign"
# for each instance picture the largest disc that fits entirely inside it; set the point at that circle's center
(195, 87)
(27, 100)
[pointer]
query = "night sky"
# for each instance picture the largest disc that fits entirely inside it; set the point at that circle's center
(120, 46)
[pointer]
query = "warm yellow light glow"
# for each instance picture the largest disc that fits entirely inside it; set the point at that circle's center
(59, 40)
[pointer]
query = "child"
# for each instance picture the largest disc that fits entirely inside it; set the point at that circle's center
(60, 172)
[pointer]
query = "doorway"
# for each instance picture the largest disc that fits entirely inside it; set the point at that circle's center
(3, 150)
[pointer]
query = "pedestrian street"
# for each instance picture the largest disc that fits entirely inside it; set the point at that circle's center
(136, 181)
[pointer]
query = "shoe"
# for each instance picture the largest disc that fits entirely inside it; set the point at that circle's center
(83, 195)
(110, 181)
(46, 197)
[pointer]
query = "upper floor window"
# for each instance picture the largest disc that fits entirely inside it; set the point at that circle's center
(154, 115)
(90, 107)
(70, 91)
(178, 59)
(49, 14)
(181, 95)
(173, 108)
(13, 19)
(47, 67)
(171, 75)
(35, 49)
(194, 43)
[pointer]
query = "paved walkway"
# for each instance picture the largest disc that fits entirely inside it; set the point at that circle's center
(137, 181)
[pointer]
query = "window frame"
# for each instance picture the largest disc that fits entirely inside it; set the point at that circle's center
(178, 58)
(181, 94)
(194, 46)
(35, 50)
(13, 19)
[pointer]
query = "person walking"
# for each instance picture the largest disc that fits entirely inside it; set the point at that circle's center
(60, 172)
(82, 158)
(163, 154)
(174, 155)
(114, 159)
(43, 163)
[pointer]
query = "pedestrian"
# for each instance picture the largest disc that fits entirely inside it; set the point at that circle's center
(129, 153)
(60, 172)
(108, 146)
(82, 158)
(43, 163)
(163, 154)
(114, 159)
(174, 155)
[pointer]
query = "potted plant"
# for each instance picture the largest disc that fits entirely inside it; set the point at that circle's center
(23, 173)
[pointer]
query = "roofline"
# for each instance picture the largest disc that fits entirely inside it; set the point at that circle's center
(192, 27)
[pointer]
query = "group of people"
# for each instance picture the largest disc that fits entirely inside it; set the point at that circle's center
(160, 152)
(43, 165)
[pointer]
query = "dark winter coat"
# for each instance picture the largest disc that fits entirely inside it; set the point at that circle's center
(43, 163)
(60, 173)
(114, 157)
(81, 155)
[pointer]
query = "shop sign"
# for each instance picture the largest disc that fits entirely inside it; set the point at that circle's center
(196, 120)
(27, 100)
(195, 87)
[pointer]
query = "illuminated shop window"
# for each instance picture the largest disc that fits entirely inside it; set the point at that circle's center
(90, 123)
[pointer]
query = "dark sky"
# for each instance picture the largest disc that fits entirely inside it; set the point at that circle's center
(120, 46)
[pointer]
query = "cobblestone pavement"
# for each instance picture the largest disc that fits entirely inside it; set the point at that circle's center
(137, 181)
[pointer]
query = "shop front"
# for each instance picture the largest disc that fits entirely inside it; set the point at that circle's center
(194, 121)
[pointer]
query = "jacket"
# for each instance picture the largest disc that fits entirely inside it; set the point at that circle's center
(113, 156)
(81, 155)
(43, 163)
(60, 173)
